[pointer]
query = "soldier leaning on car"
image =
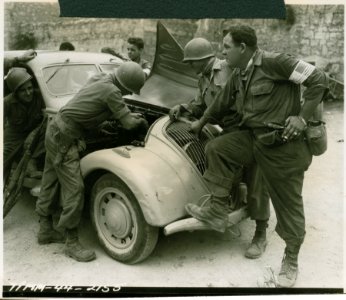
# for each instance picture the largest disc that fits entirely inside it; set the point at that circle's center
(135, 48)
(23, 113)
(213, 77)
(99, 100)
(266, 89)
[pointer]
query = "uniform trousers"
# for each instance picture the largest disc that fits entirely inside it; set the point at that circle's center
(62, 185)
(282, 168)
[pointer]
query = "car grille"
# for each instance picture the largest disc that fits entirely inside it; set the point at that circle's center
(187, 141)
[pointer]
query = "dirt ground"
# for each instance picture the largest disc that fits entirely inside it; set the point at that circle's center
(197, 259)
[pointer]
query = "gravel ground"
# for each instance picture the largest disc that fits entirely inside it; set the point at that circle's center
(197, 259)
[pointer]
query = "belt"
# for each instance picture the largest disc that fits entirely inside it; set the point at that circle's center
(68, 127)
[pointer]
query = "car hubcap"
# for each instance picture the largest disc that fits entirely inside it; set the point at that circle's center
(115, 220)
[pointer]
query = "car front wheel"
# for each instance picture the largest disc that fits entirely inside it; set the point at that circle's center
(119, 221)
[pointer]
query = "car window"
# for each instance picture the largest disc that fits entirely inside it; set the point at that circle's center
(108, 68)
(67, 79)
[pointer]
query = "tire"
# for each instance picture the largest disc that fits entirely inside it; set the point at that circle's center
(119, 221)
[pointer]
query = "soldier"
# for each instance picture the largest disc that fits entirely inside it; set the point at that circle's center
(265, 88)
(213, 77)
(23, 112)
(99, 100)
(135, 48)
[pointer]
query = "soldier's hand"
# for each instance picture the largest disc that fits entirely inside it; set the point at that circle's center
(81, 145)
(174, 113)
(196, 128)
(132, 121)
(137, 115)
(27, 55)
(294, 127)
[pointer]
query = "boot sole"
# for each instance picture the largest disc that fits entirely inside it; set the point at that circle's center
(287, 286)
(46, 242)
(92, 257)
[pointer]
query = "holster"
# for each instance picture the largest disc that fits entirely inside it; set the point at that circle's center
(269, 137)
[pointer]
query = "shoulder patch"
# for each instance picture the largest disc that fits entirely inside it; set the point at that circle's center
(301, 72)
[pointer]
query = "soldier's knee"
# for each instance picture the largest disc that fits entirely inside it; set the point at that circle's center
(211, 147)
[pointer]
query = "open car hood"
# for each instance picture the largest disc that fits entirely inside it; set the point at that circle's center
(171, 81)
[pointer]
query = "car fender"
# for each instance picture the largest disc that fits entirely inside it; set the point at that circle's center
(162, 186)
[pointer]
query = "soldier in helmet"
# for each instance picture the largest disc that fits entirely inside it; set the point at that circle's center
(23, 112)
(265, 87)
(214, 74)
(100, 99)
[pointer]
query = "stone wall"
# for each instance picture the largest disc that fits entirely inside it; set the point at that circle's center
(313, 32)
(41, 22)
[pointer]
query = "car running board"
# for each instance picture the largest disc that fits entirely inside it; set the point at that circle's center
(192, 224)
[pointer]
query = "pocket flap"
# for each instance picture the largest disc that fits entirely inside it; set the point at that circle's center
(262, 88)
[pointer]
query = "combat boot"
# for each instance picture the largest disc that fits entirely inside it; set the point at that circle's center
(75, 250)
(289, 269)
(214, 214)
(259, 241)
(47, 234)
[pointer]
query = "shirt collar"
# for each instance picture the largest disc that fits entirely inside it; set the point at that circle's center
(244, 73)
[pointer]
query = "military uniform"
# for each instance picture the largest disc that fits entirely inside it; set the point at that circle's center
(269, 91)
(211, 83)
(95, 103)
(145, 65)
(20, 119)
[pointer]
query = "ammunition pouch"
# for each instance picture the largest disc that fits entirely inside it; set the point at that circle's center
(316, 137)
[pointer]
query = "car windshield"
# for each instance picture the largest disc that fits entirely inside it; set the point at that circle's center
(67, 79)
(109, 68)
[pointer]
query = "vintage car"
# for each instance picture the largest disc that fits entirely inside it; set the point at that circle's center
(136, 184)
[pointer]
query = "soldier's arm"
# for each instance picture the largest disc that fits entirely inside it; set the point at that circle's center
(15, 61)
(222, 103)
(146, 68)
(197, 106)
(287, 67)
(218, 109)
(301, 72)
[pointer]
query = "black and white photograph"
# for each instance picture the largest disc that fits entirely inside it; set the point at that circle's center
(173, 153)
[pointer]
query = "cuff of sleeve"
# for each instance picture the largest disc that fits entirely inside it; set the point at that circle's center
(146, 72)
(122, 113)
(186, 107)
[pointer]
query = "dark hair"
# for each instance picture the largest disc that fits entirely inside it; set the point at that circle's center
(66, 46)
(242, 34)
(136, 41)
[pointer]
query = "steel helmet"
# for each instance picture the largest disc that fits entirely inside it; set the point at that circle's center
(16, 77)
(131, 76)
(197, 49)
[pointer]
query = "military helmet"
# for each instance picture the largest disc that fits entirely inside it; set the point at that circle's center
(197, 49)
(131, 76)
(16, 77)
